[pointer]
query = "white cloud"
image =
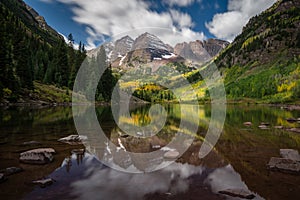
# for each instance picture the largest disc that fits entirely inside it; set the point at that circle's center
(119, 17)
(229, 24)
(75, 45)
(47, 1)
(180, 3)
(182, 19)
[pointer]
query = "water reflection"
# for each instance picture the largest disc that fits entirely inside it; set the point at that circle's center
(128, 148)
(238, 160)
(111, 184)
(90, 179)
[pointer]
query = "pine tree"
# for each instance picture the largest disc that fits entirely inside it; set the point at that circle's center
(107, 81)
(61, 75)
(70, 40)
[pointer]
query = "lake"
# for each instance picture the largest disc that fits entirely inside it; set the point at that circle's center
(238, 160)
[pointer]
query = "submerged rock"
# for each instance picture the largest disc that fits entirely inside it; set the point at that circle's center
(284, 165)
(43, 182)
(156, 142)
(73, 139)
(31, 143)
(171, 154)
(2, 178)
(290, 154)
(37, 156)
(237, 192)
(11, 170)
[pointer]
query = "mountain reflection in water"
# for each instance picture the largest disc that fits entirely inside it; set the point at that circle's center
(239, 160)
(90, 179)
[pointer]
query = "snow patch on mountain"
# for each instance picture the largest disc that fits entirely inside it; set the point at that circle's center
(168, 56)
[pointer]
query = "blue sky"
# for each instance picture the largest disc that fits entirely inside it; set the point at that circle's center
(93, 21)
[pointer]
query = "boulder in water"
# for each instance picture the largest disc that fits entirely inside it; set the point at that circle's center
(171, 154)
(263, 127)
(37, 156)
(31, 143)
(11, 170)
(290, 154)
(296, 130)
(237, 192)
(43, 182)
(284, 165)
(73, 139)
(247, 123)
(2, 178)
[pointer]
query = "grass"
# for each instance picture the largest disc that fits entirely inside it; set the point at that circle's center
(49, 94)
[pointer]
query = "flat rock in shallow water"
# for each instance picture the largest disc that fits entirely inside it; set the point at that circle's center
(278, 127)
(296, 130)
(284, 165)
(73, 139)
(31, 143)
(265, 123)
(43, 182)
(37, 156)
(238, 193)
(11, 170)
(290, 154)
(264, 127)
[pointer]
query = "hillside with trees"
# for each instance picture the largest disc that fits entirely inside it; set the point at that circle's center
(263, 61)
(33, 54)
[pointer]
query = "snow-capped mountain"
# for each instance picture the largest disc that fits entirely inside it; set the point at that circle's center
(149, 41)
(121, 47)
(148, 48)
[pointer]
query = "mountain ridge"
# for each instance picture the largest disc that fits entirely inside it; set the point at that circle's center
(148, 47)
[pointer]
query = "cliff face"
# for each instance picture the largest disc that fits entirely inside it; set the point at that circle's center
(200, 51)
(32, 20)
(41, 22)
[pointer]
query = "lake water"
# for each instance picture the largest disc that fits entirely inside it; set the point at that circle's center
(238, 160)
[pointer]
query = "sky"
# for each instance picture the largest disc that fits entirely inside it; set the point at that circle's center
(96, 21)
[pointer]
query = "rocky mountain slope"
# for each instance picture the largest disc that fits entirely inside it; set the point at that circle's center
(200, 51)
(148, 48)
(32, 20)
(272, 34)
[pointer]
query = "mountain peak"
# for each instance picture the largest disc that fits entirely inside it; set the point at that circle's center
(147, 40)
(126, 37)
